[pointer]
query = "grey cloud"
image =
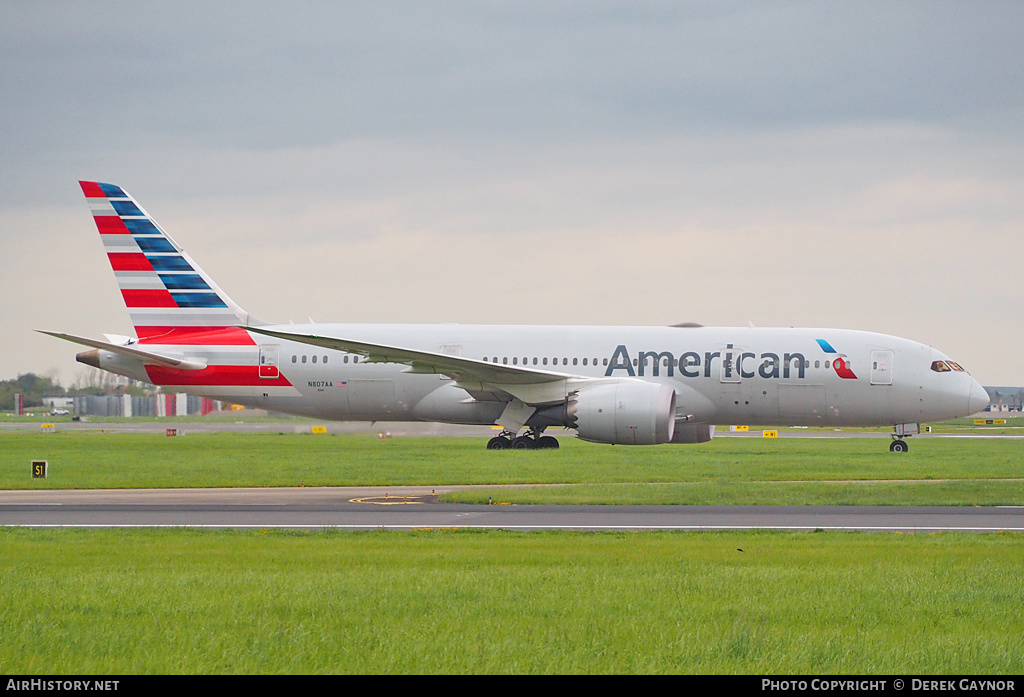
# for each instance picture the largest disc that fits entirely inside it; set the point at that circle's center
(702, 153)
(298, 75)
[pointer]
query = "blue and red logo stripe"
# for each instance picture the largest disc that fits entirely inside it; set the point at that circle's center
(839, 363)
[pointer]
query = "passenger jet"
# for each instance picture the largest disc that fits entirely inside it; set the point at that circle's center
(618, 385)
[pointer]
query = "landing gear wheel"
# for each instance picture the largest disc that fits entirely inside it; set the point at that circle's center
(524, 443)
(547, 443)
(499, 443)
(898, 446)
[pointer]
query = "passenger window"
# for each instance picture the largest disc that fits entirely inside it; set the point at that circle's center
(584, 361)
(295, 359)
(314, 359)
(303, 359)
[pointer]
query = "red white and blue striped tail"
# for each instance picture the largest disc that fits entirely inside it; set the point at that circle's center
(170, 299)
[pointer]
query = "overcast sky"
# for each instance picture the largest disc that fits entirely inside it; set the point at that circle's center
(855, 165)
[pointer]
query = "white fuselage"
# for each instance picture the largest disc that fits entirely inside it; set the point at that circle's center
(721, 375)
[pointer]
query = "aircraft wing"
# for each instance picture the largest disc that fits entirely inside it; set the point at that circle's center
(147, 357)
(530, 385)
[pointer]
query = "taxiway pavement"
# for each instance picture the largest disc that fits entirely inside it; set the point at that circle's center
(403, 508)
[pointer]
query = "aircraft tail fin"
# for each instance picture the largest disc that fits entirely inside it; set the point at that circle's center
(170, 299)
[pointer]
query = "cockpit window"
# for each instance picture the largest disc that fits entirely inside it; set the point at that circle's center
(955, 366)
(940, 367)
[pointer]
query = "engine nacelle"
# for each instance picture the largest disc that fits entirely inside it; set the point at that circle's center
(625, 412)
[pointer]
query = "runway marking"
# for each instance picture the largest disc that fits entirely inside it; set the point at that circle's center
(569, 528)
(387, 500)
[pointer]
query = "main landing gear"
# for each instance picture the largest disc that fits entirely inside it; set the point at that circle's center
(531, 440)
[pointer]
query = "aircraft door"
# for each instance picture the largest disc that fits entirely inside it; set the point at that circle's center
(731, 364)
(881, 367)
(269, 354)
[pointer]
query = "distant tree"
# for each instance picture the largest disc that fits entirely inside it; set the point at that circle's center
(32, 386)
(91, 380)
(87, 381)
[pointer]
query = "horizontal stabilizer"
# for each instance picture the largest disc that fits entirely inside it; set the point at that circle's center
(147, 357)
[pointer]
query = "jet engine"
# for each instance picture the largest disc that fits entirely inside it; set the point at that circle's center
(624, 412)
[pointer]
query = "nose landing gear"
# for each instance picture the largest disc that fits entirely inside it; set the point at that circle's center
(899, 431)
(898, 445)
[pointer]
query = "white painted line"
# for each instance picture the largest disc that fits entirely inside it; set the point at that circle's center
(308, 526)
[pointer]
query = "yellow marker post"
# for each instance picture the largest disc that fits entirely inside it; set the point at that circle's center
(48, 428)
(319, 429)
(771, 434)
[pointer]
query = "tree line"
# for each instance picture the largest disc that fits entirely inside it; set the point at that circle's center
(34, 387)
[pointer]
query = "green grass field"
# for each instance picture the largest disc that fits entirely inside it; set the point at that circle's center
(937, 471)
(192, 601)
(163, 601)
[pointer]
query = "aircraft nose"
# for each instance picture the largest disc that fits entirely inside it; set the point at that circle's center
(978, 398)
